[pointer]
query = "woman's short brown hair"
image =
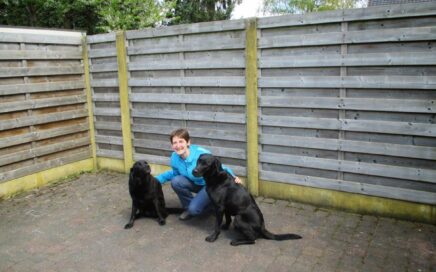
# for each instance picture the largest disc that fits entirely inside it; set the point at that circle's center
(181, 133)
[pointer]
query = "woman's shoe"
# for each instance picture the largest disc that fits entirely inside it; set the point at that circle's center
(185, 216)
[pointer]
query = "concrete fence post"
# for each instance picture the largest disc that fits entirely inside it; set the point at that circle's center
(124, 100)
(251, 106)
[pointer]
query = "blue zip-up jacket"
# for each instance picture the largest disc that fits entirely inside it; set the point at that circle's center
(185, 167)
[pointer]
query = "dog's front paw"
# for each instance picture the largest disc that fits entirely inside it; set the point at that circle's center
(128, 226)
(162, 222)
(211, 238)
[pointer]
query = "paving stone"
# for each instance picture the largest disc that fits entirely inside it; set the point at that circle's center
(78, 225)
(269, 200)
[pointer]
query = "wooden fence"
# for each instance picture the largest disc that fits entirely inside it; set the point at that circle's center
(341, 100)
(346, 98)
(185, 76)
(347, 101)
(103, 69)
(43, 103)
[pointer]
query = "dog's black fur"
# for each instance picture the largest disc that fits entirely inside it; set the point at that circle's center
(147, 195)
(233, 199)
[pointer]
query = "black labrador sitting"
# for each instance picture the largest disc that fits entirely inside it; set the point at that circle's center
(147, 195)
(233, 199)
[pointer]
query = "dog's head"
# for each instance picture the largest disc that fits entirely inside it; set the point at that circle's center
(140, 170)
(207, 165)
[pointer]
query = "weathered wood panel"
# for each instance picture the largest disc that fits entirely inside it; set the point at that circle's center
(11, 89)
(40, 71)
(348, 96)
(40, 55)
(106, 100)
(206, 27)
(42, 101)
(412, 10)
(188, 76)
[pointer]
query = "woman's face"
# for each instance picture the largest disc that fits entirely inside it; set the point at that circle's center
(181, 146)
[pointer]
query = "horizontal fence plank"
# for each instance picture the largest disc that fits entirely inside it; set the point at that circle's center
(368, 104)
(238, 136)
(237, 170)
(391, 35)
(391, 11)
(208, 99)
(41, 166)
(233, 81)
(372, 169)
(351, 37)
(101, 38)
(40, 71)
(211, 45)
(386, 149)
(41, 54)
(333, 60)
(225, 152)
(216, 26)
(163, 160)
(106, 97)
(220, 117)
(152, 144)
(188, 64)
(387, 127)
(104, 67)
(42, 119)
(43, 150)
(104, 83)
(366, 82)
(350, 186)
(41, 87)
(112, 140)
(337, 16)
(301, 40)
(42, 135)
(42, 103)
(103, 53)
(43, 38)
(115, 154)
(107, 125)
(107, 112)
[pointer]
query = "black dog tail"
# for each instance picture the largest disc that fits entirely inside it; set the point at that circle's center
(175, 210)
(279, 237)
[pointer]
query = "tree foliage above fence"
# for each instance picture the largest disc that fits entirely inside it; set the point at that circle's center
(101, 16)
(131, 14)
(186, 12)
(64, 14)
(279, 7)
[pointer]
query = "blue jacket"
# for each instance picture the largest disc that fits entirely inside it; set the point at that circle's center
(184, 167)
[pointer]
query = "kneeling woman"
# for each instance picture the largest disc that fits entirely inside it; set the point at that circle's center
(183, 161)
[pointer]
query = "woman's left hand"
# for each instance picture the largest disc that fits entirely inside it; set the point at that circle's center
(238, 180)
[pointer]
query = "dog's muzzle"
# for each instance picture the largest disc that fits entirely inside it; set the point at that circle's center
(196, 173)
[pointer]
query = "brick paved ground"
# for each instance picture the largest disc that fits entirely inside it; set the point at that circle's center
(78, 226)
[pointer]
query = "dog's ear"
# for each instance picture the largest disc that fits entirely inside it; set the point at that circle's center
(147, 169)
(217, 165)
(222, 174)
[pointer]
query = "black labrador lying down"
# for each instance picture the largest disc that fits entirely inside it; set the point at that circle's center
(233, 199)
(147, 195)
